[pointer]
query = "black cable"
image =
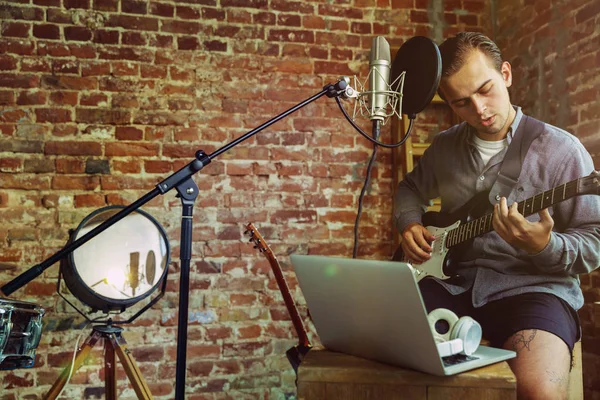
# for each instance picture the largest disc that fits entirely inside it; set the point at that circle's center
(376, 132)
(376, 124)
(374, 140)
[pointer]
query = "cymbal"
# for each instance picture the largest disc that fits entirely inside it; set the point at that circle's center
(5, 266)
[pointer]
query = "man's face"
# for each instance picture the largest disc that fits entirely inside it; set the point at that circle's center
(478, 93)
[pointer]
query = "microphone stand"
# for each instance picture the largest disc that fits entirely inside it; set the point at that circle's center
(187, 190)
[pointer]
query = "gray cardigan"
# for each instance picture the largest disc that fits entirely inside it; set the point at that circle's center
(452, 169)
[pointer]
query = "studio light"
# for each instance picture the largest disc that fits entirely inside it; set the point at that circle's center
(121, 266)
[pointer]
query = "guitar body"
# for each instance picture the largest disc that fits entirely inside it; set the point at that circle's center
(440, 225)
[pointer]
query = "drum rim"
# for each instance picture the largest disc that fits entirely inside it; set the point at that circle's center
(109, 303)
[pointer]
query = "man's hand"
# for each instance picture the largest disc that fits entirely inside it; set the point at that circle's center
(531, 237)
(415, 243)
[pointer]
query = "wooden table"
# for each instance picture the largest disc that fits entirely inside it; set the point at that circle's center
(329, 375)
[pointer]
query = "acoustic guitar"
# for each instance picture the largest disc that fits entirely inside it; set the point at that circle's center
(296, 354)
(468, 222)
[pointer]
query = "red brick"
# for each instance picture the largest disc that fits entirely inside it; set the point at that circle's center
(90, 200)
(164, 41)
(214, 45)
(73, 148)
(339, 11)
(133, 38)
(188, 43)
(30, 98)
(76, 4)
(245, 3)
(127, 167)
(69, 166)
(66, 182)
(19, 81)
(297, 36)
(15, 29)
(162, 9)
(46, 31)
(293, 6)
(250, 332)
(55, 115)
(134, 7)
(25, 13)
(7, 98)
(78, 33)
(106, 36)
(47, 3)
(93, 99)
(65, 67)
(102, 116)
(40, 288)
(64, 98)
(133, 23)
(58, 16)
(16, 46)
(10, 164)
(185, 12)
(13, 380)
(313, 22)
(69, 83)
(131, 149)
(106, 5)
(158, 166)
(153, 71)
(213, 13)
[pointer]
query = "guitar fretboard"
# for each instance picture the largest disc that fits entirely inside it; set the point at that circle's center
(468, 230)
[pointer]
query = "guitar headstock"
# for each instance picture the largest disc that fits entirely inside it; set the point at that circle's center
(589, 184)
(257, 239)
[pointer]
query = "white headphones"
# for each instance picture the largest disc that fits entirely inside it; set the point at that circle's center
(463, 335)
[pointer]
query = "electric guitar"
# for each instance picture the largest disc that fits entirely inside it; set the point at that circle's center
(466, 223)
(295, 354)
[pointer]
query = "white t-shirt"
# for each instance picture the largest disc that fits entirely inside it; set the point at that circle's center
(489, 149)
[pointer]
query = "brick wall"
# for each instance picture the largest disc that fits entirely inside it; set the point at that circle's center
(102, 99)
(556, 62)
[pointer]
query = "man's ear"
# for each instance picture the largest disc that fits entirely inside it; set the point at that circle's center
(506, 70)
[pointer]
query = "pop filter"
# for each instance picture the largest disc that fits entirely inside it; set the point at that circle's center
(419, 57)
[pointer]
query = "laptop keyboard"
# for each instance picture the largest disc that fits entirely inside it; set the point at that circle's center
(457, 359)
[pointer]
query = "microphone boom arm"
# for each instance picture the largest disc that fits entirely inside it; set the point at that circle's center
(181, 180)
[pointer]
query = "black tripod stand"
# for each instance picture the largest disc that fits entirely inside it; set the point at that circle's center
(114, 343)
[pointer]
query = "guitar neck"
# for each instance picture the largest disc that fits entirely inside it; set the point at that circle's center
(532, 205)
(289, 300)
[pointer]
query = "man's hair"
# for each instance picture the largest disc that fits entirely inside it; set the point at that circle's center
(455, 50)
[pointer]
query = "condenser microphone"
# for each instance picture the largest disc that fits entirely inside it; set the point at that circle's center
(134, 271)
(405, 87)
(379, 78)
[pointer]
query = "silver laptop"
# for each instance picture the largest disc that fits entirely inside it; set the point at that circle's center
(373, 309)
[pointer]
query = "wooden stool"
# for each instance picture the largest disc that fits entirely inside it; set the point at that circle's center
(329, 375)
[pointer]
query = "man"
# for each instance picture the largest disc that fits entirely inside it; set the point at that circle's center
(520, 280)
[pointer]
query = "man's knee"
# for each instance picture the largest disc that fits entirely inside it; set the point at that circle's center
(542, 390)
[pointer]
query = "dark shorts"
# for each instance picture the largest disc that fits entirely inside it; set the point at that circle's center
(500, 319)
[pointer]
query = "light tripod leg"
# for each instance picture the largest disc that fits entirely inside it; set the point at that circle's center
(82, 354)
(110, 370)
(131, 369)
